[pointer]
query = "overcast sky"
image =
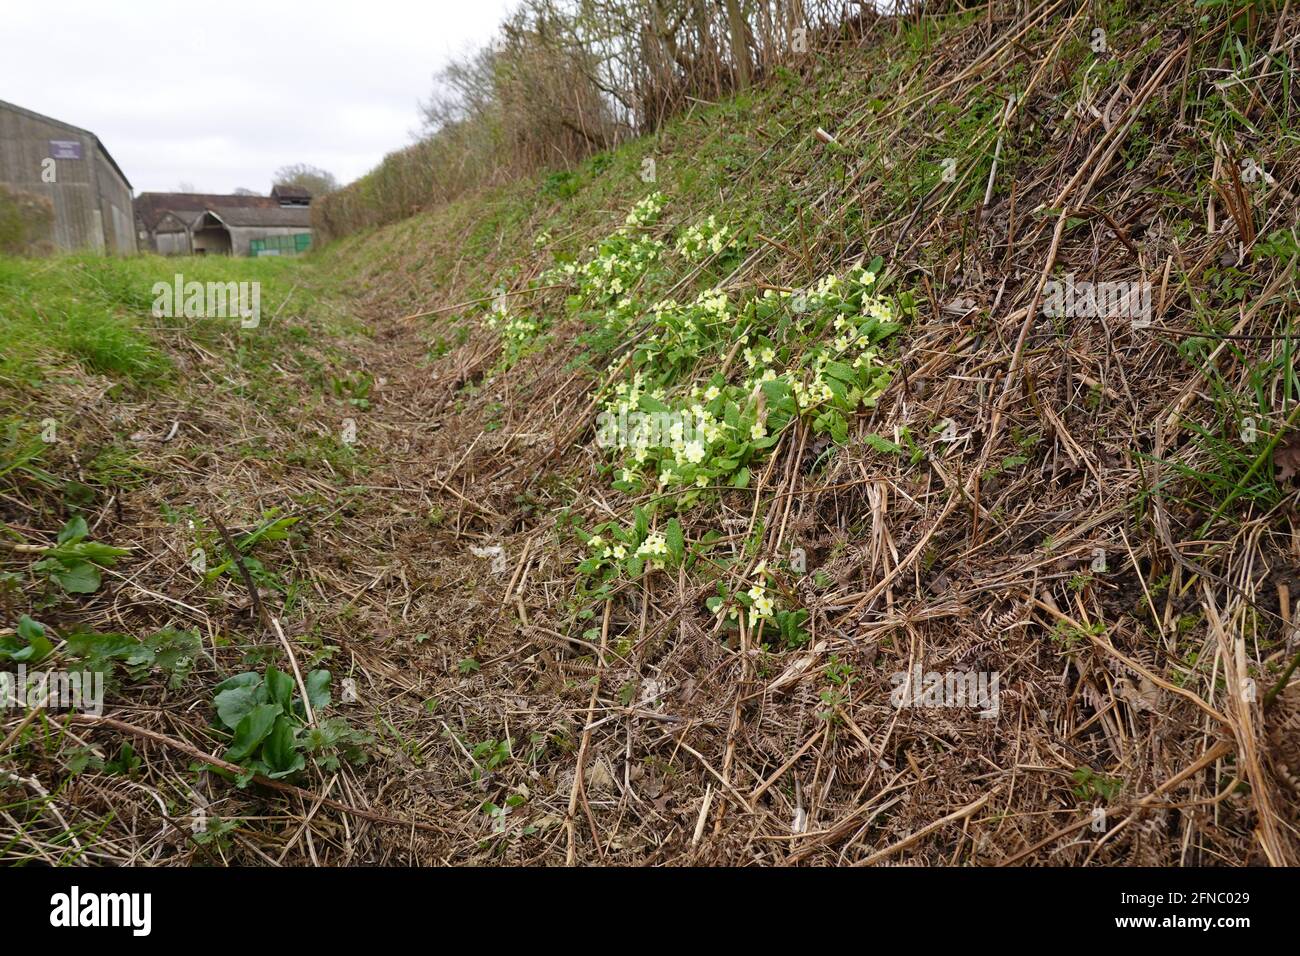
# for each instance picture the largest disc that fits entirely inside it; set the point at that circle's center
(221, 94)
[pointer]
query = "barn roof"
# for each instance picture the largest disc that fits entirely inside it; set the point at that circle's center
(256, 216)
(151, 207)
(285, 191)
(32, 114)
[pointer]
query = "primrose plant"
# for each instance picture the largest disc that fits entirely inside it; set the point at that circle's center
(757, 607)
(815, 355)
(705, 239)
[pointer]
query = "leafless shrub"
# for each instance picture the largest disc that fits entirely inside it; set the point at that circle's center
(568, 78)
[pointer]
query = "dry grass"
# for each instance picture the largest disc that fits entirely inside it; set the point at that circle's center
(644, 736)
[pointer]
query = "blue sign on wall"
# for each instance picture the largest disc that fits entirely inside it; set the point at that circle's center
(65, 149)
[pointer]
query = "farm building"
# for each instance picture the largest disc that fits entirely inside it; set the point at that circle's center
(60, 182)
(206, 224)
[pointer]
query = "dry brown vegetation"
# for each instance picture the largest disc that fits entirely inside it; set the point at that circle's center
(647, 734)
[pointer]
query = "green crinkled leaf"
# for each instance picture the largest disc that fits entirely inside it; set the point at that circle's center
(99, 651)
(174, 652)
(833, 423)
(675, 540)
(105, 555)
(839, 371)
(883, 445)
(89, 645)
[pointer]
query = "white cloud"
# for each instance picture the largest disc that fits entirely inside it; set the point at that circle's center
(221, 95)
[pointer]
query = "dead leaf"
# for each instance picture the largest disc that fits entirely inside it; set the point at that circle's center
(1145, 698)
(598, 777)
(1286, 458)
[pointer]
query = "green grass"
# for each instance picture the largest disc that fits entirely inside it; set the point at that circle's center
(94, 314)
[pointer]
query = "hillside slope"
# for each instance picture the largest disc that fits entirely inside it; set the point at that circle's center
(631, 503)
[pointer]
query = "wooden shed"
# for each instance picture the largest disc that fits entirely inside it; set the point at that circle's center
(207, 224)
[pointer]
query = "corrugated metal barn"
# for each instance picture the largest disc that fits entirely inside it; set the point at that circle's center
(45, 161)
(206, 224)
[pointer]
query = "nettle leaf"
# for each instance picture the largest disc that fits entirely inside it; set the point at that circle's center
(253, 728)
(89, 645)
(174, 652)
(779, 418)
(833, 422)
(99, 651)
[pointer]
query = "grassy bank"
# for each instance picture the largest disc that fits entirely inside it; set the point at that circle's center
(543, 642)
